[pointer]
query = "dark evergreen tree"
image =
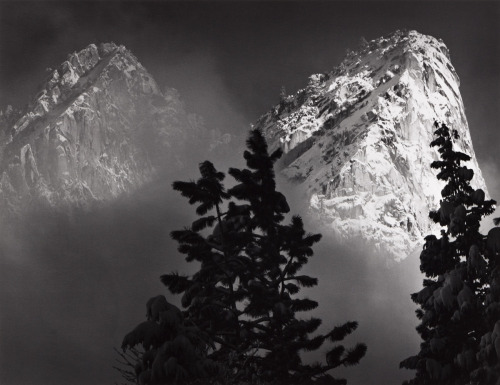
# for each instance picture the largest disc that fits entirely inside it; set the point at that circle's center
(174, 348)
(457, 268)
(244, 294)
(488, 357)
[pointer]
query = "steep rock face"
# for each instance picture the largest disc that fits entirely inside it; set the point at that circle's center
(356, 140)
(97, 128)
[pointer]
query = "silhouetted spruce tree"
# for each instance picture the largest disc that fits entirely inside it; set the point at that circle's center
(488, 372)
(457, 267)
(244, 294)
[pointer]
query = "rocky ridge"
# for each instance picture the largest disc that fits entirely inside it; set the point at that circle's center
(356, 140)
(99, 127)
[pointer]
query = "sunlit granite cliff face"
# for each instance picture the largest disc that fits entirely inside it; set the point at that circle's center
(98, 127)
(356, 140)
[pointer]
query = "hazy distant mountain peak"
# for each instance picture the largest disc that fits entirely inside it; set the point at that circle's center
(98, 127)
(356, 139)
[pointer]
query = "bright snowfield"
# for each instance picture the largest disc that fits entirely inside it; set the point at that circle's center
(356, 140)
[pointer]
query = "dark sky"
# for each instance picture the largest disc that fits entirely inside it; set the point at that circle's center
(69, 291)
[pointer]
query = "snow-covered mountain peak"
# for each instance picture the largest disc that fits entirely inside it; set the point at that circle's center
(98, 127)
(356, 139)
(80, 76)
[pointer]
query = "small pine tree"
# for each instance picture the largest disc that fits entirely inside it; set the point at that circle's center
(363, 43)
(284, 101)
(174, 348)
(243, 298)
(456, 284)
(283, 94)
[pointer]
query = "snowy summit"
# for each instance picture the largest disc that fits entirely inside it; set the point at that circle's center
(99, 127)
(356, 140)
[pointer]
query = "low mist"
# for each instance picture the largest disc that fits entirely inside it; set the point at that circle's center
(358, 284)
(71, 286)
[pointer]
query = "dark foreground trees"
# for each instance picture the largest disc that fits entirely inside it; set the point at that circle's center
(241, 323)
(459, 305)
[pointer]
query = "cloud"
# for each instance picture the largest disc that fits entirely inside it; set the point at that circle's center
(490, 171)
(72, 286)
(357, 285)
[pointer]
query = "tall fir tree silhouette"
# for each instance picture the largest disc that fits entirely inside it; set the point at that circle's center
(457, 267)
(243, 301)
